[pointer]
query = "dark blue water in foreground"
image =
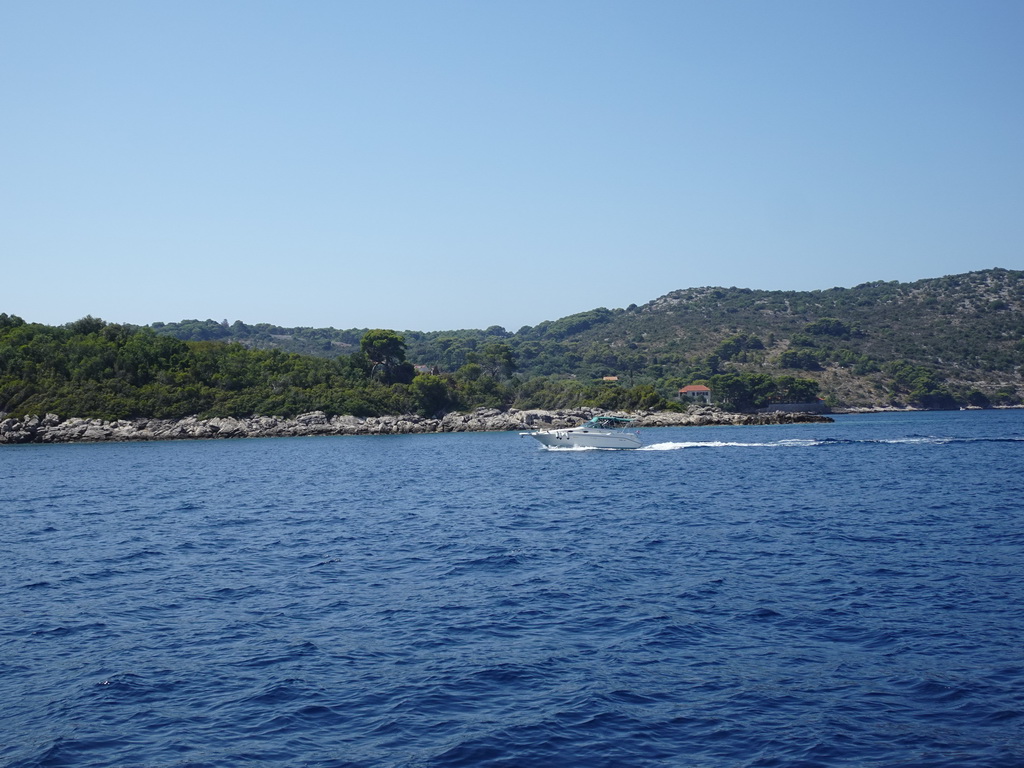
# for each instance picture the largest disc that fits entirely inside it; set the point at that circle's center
(845, 594)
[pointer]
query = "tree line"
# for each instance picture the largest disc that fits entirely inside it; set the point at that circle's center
(92, 368)
(940, 342)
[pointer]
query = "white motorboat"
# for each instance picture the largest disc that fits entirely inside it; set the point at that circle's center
(599, 432)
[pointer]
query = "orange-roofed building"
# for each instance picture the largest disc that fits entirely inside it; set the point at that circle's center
(695, 393)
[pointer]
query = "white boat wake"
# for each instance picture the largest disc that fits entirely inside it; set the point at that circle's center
(794, 443)
(721, 444)
(816, 442)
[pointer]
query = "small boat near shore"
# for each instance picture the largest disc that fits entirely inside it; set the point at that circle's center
(599, 432)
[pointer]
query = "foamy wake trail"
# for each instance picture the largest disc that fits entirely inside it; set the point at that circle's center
(721, 444)
(797, 443)
(814, 443)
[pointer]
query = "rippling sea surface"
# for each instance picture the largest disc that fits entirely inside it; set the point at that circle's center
(847, 594)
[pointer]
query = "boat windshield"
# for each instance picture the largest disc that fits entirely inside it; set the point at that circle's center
(609, 422)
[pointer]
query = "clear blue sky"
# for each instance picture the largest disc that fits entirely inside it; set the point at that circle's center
(432, 165)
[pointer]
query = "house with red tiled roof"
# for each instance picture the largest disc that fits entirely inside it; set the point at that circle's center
(695, 393)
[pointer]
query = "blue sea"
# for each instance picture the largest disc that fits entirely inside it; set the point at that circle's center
(847, 594)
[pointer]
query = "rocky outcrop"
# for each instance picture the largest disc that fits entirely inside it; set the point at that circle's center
(53, 429)
(709, 416)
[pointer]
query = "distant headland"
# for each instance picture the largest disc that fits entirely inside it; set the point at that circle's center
(938, 344)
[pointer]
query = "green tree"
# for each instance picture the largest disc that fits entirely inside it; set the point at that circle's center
(828, 326)
(431, 395)
(802, 359)
(385, 350)
(498, 360)
(741, 391)
(9, 321)
(978, 399)
(86, 325)
(789, 389)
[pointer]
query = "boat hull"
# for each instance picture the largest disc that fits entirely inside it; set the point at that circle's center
(586, 438)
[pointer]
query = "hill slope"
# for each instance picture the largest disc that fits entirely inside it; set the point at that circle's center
(877, 344)
(862, 343)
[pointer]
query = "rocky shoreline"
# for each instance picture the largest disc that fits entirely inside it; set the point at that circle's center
(53, 429)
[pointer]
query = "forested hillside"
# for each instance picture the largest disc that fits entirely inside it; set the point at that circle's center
(940, 343)
(932, 343)
(917, 343)
(91, 368)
